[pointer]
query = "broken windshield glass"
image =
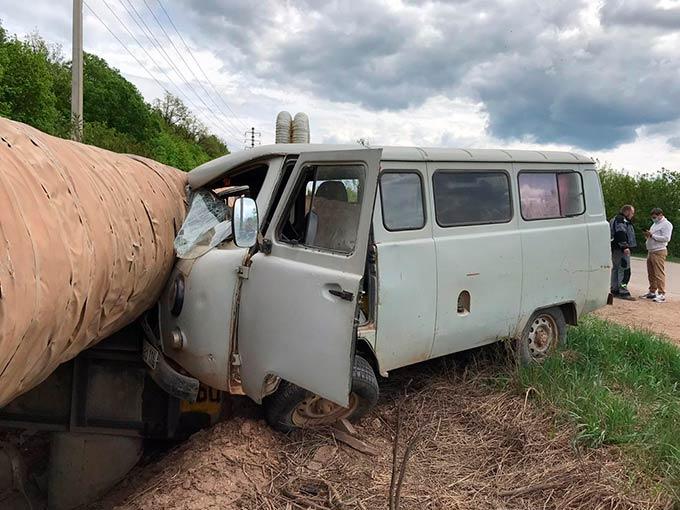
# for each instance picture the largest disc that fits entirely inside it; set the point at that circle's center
(207, 224)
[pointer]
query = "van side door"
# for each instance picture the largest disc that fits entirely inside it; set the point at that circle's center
(406, 266)
(478, 253)
(298, 304)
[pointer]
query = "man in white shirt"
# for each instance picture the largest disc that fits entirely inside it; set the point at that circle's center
(658, 237)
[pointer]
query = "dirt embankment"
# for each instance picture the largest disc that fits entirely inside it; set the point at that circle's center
(473, 447)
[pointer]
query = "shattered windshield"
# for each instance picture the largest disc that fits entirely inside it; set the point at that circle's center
(206, 225)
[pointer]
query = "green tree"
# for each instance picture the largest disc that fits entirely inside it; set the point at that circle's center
(174, 150)
(213, 146)
(111, 99)
(178, 117)
(644, 191)
(27, 85)
(35, 88)
(100, 135)
(4, 59)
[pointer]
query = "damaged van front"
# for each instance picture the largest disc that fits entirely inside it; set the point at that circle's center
(196, 308)
(270, 262)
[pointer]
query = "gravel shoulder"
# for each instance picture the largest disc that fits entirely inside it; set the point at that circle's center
(659, 318)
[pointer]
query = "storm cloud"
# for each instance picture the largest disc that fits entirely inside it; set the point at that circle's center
(562, 72)
(596, 75)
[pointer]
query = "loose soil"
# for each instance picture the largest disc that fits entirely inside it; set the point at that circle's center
(473, 445)
(658, 318)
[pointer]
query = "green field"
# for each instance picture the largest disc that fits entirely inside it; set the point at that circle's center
(618, 387)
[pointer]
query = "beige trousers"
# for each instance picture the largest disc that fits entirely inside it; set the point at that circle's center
(656, 271)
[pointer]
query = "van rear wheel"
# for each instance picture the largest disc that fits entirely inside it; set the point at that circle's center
(543, 334)
(291, 407)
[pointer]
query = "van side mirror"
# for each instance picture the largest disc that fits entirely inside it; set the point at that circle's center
(245, 222)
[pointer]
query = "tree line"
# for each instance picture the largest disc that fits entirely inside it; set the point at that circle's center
(644, 191)
(35, 88)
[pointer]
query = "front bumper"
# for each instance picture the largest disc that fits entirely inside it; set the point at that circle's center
(178, 385)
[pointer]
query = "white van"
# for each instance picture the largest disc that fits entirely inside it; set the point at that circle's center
(305, 270)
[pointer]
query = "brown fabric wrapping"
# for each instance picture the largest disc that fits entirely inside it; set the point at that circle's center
(85, 247)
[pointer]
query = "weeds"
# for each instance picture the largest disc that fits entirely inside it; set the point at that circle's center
(619, 386)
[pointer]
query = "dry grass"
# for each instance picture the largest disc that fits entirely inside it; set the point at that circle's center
(476, 444)
(474, 447)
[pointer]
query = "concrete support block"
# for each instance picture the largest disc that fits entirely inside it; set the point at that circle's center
(84, 466)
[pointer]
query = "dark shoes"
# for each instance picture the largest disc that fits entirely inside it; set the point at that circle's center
(624, 295)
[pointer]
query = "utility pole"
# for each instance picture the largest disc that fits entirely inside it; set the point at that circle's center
(77, 73)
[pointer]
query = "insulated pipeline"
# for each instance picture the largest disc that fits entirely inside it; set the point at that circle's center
(85, 247)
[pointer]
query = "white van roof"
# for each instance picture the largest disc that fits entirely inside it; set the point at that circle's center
(208, 172)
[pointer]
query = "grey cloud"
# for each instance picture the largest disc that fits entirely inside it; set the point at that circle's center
(537, 69)
(640, 13)
(674, 142)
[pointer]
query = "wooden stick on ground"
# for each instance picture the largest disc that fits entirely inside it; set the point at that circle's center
(395, 447)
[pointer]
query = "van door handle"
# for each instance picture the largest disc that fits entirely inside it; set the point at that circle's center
(342, 294)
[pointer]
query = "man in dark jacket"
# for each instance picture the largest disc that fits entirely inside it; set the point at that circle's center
(622, 239)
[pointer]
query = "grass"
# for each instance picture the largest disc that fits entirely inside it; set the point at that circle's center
(621, 387)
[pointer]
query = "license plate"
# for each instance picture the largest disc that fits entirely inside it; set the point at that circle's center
(149, 355)
(208, 401)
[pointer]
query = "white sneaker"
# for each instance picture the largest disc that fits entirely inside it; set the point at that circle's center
(660, 298)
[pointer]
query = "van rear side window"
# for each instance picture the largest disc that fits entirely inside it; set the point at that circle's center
(401, 195)
(471, 198)
(550, 195)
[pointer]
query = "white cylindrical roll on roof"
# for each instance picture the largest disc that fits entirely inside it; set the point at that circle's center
(300, 128)
(283, 127)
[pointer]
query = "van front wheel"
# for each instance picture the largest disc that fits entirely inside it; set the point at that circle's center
(291, 407)
(545, 331)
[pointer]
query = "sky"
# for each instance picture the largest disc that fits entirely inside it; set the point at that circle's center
(598, 77)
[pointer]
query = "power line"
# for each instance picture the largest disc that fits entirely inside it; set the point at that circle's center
(157, 45)
(197, 64)
(124, 46)
(179, 90)
(158, 22)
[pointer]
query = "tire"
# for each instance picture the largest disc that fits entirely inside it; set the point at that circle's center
(545, 331)
(280, 407)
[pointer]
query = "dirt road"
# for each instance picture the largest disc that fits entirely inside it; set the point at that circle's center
(660, 318)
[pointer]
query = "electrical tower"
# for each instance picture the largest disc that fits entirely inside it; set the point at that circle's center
(252, 138)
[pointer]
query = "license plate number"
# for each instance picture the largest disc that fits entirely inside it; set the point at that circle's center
(149, 355)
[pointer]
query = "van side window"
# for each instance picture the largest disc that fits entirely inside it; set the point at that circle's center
(549, 195)
(401, 195)
(324, 210)
(471, 198)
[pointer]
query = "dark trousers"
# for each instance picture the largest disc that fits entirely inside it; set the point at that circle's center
(620, 272)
